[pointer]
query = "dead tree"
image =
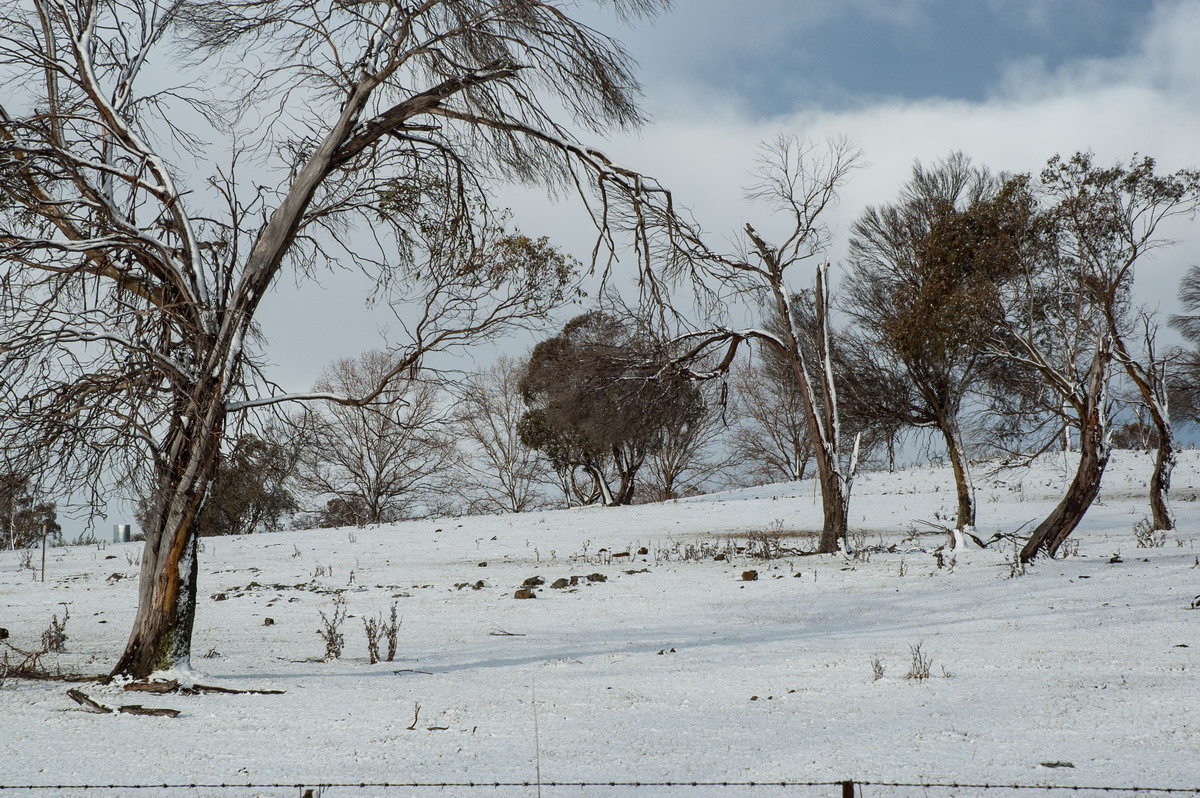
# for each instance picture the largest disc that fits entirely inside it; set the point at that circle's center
(133, 274)
(797, 180)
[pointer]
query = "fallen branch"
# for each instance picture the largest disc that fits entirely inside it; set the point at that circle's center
(91, 705)
(161, 688)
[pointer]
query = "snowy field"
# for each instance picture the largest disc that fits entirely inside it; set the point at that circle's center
(1083, 671)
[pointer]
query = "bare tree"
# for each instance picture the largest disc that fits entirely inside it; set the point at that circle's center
(771, 437)
(377, 462)
(498, 472)
(798, 181)
(692, 455)
(133, 276)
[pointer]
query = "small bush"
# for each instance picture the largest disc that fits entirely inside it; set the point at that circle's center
(330, 632)
(921, 663)
(378, 629)
(876, 669)
(54, 639)
(1148, 538)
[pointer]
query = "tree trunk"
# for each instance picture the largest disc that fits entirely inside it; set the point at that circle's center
(835, 506)
(161, 638)
(1160, 481)
(956, 451)
(1093, 457)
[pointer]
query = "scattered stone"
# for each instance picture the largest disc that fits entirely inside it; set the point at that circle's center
(111, 557)
(220, 596)
(483, 565)
(478, 585)
(3, 633)
(574, 581)
(268, 621)
(597, 578)
(643, 550)
(719, 558)
(533, 581)
(559, 584)
(749, 576)
(524, 593)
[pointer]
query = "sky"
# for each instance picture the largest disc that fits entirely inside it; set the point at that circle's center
(1009, 82)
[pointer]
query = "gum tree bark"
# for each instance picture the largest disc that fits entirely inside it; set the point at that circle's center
(132, 282)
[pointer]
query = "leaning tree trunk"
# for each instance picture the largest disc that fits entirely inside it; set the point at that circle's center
(965, 518)
(162, 629)
(1160, 481)
(1093, 457)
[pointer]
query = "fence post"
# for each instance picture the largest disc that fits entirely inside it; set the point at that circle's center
(847, 789)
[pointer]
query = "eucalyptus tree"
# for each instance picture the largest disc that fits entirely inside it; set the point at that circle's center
(1069, 317)
(362, 135)
(601, 400)
(921, 285)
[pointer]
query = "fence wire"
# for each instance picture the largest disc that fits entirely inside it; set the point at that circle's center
(606, 789)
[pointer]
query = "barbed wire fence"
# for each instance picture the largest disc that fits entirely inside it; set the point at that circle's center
(601, 789)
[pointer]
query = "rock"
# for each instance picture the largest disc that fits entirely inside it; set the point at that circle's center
(533, 581)
(3, 633)
(483, 565)
(478, 585)
(749, 576)
(643, 550)
(524, 593)
(220, 596)
(268, 621)
(597, 578)
(559, 584)
(574, 581)
(719, 558)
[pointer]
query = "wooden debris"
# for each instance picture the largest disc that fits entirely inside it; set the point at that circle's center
(91, 705)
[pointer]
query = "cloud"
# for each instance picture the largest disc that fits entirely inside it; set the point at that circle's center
(1145, 100)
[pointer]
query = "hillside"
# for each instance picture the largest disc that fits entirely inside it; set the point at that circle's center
(673, 668)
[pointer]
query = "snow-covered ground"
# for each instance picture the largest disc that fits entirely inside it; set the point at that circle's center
(672, 669)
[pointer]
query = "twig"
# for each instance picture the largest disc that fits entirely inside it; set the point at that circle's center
(498, 632)
(416, 714)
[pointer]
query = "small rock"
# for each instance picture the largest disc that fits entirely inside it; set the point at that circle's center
(643, 550)
(559, 584)
(533, 581)
(483, 565)
(3, 633)
(524, 593)
(574, 581)
(478, 585)
(749, 576)
(719, 558)
(597, 578)
(220, 596)
(268, 621)
(111, 557)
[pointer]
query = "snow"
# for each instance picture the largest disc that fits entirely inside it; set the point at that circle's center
(673, 669)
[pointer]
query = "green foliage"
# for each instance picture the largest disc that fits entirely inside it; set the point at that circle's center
(601, 392)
